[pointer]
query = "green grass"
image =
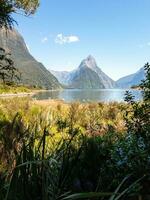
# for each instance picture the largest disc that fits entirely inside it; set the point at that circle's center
(14, 89)
(73, 151)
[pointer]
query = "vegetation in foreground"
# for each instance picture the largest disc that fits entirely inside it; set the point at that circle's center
(15, 89)
(75, 151)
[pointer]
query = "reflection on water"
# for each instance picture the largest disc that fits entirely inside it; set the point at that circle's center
(70, 95)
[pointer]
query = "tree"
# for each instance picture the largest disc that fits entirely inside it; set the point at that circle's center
(8, 72)
(6, 10)
(28, 6)
(8, 7)
(145, 85)
(137, 118)
(138, 115)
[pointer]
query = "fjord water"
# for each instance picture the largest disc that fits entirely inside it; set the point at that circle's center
(90, 95)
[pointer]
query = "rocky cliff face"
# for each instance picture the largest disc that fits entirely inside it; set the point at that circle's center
(32, 72)
(105, 80)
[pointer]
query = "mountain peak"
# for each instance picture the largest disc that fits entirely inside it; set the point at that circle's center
(90, 57)
(87, 76)
(89, 62)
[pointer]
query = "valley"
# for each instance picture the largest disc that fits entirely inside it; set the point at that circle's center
(69, 130)
(86, 76)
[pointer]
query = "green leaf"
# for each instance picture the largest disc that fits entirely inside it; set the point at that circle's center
(88, 195)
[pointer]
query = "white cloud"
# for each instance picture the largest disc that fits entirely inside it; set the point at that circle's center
(61, 39)
(44, 40)
(73, 38)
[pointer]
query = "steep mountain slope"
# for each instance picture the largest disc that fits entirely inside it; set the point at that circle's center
(87, 76)
(32, 72)
(104, 79)
(131, 80)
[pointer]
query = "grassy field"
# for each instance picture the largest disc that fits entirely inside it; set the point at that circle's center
(16, 89)
(93, 118)
(51, 150)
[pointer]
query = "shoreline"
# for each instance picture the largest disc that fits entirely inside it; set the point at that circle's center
(24, 94)
(21, 94)
(34, 92)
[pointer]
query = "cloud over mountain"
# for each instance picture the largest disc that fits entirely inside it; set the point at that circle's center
(62, 39)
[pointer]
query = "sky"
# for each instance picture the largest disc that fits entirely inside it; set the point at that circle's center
(64, 32)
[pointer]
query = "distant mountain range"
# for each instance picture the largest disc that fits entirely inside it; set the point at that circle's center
(132, 79)
(32, 72)
(62, 76)
(87, 76)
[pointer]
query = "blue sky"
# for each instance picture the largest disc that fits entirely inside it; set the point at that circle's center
(115, 32)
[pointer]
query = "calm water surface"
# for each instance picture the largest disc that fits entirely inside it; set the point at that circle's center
(98, 95)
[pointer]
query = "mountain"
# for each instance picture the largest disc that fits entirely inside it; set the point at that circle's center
(32, 72)
(87, 76)
(132, 79)
(62, 76)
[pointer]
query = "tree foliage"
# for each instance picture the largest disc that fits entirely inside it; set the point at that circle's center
(28, 6)
(138, 115)
(8, 72)
(8, 7)
(145, 85)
